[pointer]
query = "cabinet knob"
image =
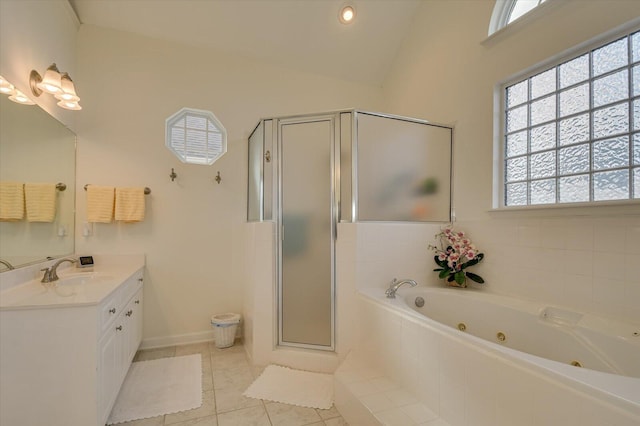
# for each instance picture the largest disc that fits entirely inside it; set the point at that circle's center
(112, 310)
(119, 328)
(140, 279)
(129, 312)
(137, 302)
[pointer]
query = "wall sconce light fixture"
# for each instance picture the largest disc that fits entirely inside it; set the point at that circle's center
(14, 94)
(57, 84)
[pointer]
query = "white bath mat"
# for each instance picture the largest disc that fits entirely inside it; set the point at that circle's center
(161, 386)
(295, 387)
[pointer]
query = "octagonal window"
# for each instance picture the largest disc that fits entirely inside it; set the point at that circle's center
(195, 136)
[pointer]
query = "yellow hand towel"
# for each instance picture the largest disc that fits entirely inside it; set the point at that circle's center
(100, 200)
(40, 201)
(130, 204)
(11, 201)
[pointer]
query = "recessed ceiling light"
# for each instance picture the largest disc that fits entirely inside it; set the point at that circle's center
(347, 14)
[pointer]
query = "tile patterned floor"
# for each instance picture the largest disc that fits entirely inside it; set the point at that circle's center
(226, 373)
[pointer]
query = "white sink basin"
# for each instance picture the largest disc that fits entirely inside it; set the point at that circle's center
(81, 279)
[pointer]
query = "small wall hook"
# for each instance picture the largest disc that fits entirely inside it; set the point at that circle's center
(173, 175)
(218, 178)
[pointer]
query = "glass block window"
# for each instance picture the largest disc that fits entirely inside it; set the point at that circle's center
(195, 136)
(572, 132)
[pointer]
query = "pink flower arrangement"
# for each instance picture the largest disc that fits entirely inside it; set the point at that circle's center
(455, 252)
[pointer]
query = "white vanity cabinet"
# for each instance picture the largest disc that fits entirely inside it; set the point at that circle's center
(121, 333)
(62, 364)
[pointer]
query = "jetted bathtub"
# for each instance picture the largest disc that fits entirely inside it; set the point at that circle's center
(597, 356)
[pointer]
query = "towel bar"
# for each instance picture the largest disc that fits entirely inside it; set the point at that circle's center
(147, 191)
(61, 186)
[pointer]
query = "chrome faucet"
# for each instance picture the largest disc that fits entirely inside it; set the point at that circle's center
(395, 285)
(51, 274)
(7, 264)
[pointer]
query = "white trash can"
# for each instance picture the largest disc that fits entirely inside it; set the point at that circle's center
(225, 326)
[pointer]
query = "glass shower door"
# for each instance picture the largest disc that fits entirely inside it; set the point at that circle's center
(306, 233)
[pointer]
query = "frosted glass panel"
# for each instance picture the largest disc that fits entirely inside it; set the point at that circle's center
(636, 182)
(404, 170)
(613, 185)
(516, 194)
(636, 149)
(611, 153)
(636, 114)
(543, 137)
(254, 201)
(543, 191)
(611, 120)
(517, 93)
(607, 58)
(574, 129)
(574, 159)
(574, 71)
(612, 88)
(574, 189)
(543, 110)
(517, 144)
(307, 240)
(574, 100)
(543, 165)
(636, 80)
(517, 119)
(543, 83)
(516, 169)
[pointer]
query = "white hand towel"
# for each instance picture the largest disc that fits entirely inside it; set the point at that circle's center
(100, 201)
(130, 204)
(11, 201)
(40, 201)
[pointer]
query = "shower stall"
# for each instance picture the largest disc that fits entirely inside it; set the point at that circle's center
(307, 173)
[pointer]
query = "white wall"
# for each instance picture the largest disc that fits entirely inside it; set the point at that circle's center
(194, 232)
(33, 35)
(446, 72)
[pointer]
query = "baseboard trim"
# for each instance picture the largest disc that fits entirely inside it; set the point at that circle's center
(181, 339)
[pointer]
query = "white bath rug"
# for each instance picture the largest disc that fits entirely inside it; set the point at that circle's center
(161, 386)
(295, 387)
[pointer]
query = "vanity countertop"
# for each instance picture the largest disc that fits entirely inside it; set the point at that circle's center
(76, 287)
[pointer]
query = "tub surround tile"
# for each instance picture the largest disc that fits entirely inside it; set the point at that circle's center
(153, 421)
(328, 414)
(337, 421)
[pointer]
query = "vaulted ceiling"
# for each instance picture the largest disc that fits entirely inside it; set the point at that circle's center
(299, 34)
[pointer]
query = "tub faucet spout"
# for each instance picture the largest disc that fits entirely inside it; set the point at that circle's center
(395, 285)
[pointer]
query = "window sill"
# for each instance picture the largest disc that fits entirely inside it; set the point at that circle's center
(603, 208)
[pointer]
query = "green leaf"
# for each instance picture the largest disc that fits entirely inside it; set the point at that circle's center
(451, 277)
(443, 273)
(438, 269)
(459, 277)
(441, 263)
(474, 277)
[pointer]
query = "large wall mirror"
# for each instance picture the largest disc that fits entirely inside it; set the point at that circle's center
(36, 148)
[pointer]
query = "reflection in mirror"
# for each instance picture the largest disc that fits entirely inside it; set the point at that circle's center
(36, 148)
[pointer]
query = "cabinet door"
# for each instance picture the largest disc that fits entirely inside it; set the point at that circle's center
(133, 331)
(107, 367)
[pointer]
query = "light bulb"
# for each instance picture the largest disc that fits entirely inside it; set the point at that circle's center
(347, 14)
(20, 98)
